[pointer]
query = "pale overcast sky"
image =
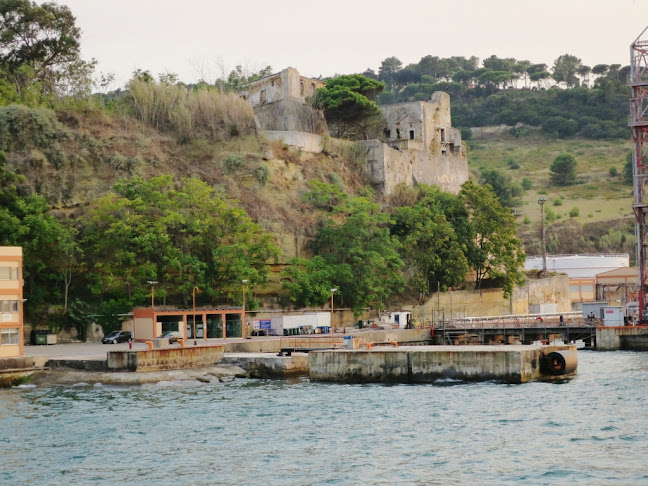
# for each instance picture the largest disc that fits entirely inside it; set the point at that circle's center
(346, 36)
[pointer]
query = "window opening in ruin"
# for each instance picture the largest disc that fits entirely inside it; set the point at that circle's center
(387, 133)
(443, 134)
(411, 134)
(398, 133)
(263, 96)
(313, 88)
(301, 88)
(272, 83)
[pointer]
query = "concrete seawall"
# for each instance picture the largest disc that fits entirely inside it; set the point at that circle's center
(426, 364)
(164, 359)
(632, 338)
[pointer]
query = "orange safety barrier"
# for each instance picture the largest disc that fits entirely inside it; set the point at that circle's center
(369, 345)
(181, 342)
(149, 344)
(394, 343)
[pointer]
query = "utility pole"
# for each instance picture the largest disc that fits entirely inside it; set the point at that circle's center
(541, 202)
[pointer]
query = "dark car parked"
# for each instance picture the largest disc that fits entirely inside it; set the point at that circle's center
(172, 336)
(118, 337)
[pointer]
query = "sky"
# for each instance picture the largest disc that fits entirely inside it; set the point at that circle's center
(203, 38)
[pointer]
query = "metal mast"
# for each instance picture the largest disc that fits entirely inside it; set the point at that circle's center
(639, 125)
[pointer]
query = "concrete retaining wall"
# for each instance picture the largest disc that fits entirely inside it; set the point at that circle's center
(165, 359)
(23, 362)
(491, 302)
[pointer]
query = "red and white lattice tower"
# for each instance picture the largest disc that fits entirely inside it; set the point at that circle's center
(639, 125)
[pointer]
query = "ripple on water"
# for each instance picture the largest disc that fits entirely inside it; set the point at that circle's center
(297, 432)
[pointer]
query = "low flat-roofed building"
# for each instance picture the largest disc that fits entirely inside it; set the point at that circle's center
(213, 323)
(618, 285)
(11, 302)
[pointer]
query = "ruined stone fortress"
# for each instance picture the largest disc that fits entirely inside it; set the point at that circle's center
(417, 145)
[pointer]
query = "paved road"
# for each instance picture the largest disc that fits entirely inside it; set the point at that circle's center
(98, 350)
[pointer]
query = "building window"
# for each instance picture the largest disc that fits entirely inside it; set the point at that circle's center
(262, 96)
(301, 88)
(9, 336)
(387, 133)
(443, 138)
(7, 306)
(5, 273)
(411, 134)
(398, 133)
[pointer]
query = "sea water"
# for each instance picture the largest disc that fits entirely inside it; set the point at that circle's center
(591, 429)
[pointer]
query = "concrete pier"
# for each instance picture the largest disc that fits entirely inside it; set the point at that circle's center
(426, 364)
(631, 338)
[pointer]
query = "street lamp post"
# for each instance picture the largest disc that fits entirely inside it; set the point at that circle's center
(333, 289)
(243, 326)
(152, 283)
(541, 202)
(194, 314)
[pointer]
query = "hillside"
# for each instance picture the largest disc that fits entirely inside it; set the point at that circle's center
(603, 202)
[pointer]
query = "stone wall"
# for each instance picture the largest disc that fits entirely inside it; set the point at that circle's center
(491, 302)
(389, 167)
(290, 115)
(281, 86)
(308, 142)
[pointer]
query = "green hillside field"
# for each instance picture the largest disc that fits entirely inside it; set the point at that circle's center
(603, 201)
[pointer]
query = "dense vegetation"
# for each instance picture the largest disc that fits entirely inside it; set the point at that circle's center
(426, 239)
(565, 100)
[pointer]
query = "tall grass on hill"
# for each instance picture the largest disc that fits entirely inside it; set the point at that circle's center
(191, 113)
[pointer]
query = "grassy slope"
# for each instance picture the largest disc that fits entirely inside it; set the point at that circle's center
(599, 197)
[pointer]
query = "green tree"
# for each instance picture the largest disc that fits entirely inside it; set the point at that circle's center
(347, 104)
(429, 247)
(563, 170)
(566, 69)
(494, 250)
(359, 237)
(178, 233)
(25, 221)
(388, 68)
(40, 43)
(309, 281)
(507, 191)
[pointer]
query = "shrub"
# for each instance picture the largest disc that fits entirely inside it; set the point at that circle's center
(367, 191)
(574, 213)
(526, 220)
(233, 163)
(519, 131)
(262, 174)
(557, 202)
(526, 183)
(560, 126)
(613, 171)
(549, 215)
(512, 163)
(22, 128)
